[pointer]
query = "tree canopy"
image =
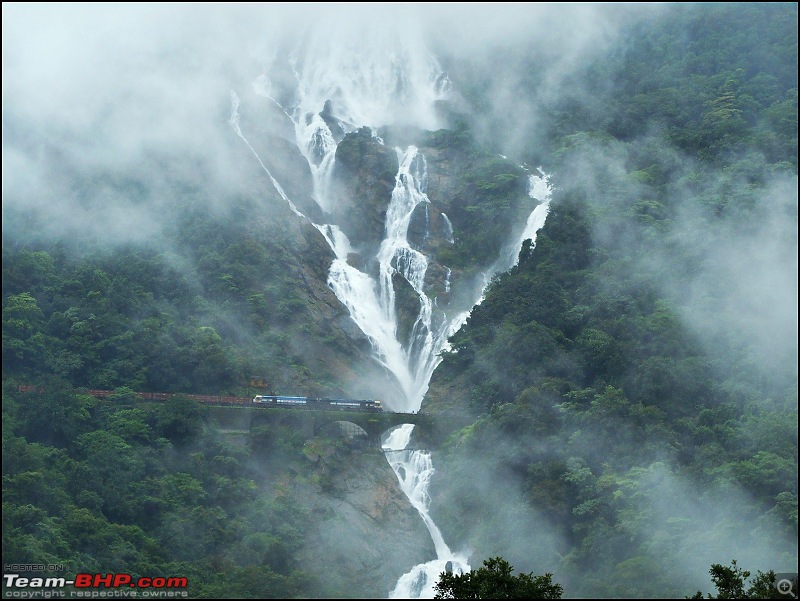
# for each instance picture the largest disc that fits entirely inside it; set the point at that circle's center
(495, 581)
(731, 583)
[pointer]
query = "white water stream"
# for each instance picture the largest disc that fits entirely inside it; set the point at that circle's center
(373, 89)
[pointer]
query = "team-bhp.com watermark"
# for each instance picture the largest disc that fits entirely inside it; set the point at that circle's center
(19, 582)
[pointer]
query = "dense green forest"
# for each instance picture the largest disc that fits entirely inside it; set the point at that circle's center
(96, 486)
(630, 386)
(614, 367)
(222, 308)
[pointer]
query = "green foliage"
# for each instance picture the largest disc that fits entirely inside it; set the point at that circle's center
(603, 425)
(731, 583)
(460, 137)
(23, 341)
(232, 305)
(713, 78)
(495, 581)
(142, 489)
(493, 196)
(599, 409)
(179, 419)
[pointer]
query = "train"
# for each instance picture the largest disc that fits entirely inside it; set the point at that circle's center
(210, 399)
(302, 402)
(298, 402)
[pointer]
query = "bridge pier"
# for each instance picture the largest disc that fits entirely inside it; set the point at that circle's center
(373, 436)
(309, 426)
(312, 422)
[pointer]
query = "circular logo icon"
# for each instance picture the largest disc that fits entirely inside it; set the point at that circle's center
(784, 586)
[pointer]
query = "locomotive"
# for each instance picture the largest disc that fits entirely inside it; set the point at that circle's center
(302, 402)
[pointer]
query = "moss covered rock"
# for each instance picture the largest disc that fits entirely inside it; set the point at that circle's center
(364, 176)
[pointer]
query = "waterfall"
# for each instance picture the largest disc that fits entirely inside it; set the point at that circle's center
(341, 87)
(397, 256)
(538, 189)
(414, 470)
(448, 229)
(234, 123)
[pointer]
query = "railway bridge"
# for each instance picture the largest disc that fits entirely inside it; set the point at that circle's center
(242, 414)
(371, 425)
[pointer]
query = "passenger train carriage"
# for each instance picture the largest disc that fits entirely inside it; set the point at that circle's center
(310, 403)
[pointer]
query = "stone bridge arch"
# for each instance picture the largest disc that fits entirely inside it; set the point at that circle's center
(377, 424)
(373, 424)
(341, 429)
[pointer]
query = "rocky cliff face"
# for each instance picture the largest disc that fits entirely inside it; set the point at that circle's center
(271, 132)
(364, 174)
(364, 533)
(363, 528)
(475, 203)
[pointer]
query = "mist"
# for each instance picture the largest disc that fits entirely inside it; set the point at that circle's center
(121, 89)
(689, 523)
(118, 120)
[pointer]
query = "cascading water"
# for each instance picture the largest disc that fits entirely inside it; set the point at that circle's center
(414, 470)
(448, 229)
(397, 256)
(320, 150)
(368, 89)
(355, 289)
(538, 189)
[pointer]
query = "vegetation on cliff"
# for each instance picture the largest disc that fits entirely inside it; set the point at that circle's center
(632, 382)
(629, 388)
